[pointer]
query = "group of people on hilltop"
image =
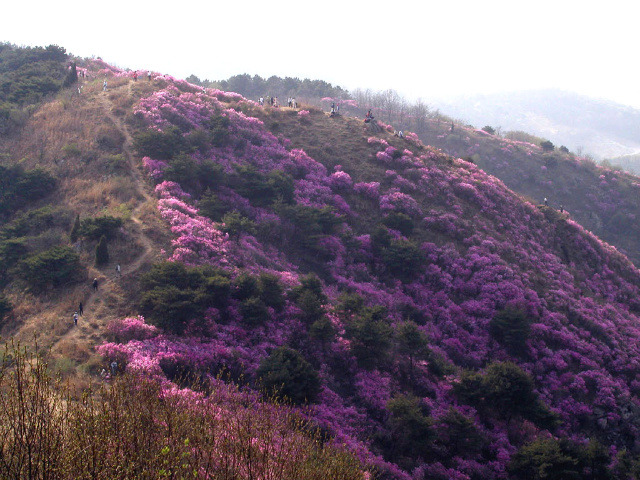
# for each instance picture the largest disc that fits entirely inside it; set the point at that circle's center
(273, 101)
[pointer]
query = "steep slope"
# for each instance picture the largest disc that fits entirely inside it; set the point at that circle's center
(603, 200)
(447, 272)
(428, 317)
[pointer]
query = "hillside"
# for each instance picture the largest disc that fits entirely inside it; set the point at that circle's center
(597, 127)
(603, 200)
(409, 304)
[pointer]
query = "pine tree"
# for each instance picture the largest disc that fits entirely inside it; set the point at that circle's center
(102, 252)
(72, 76)
(75, 231)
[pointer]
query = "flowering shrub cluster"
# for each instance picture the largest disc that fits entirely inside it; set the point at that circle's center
(600, 198)
(402, 317)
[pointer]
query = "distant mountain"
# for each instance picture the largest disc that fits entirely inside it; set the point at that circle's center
(601, 128)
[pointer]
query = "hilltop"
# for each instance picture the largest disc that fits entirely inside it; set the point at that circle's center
(411, 305)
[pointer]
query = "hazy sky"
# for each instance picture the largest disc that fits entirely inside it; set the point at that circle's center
(421, 49)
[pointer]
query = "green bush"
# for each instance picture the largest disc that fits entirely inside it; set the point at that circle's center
(511, 328)
(323, 331)
(271, 291)
(286, 374)
(193, 176)
(310, 298)
(254, 311)
(410, 428)
(19, 186)
(370, 336)
(399, 221)
(54, 267)
(95, 228)
(507, 391)
(174, 294)
(160, 145)
(236, 224)
(546, 459)
(210, 206)
(219, 128)
(547, 146)
(245, 286)
(261, 189)
(403, 259)
(35, 222)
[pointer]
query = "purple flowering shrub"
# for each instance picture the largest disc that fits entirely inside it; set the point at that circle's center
(474, 251)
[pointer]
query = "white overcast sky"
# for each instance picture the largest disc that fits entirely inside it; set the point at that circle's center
(419, 48)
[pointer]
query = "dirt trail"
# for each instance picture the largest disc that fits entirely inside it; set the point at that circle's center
(85, 335)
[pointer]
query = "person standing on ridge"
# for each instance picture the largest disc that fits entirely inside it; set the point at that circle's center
(95, 284)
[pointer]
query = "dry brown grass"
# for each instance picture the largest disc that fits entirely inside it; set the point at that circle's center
(63, 137)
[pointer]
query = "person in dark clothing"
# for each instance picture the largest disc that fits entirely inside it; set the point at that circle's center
(80, 309)
(95, 284)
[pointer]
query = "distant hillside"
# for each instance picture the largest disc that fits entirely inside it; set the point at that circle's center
(605, 201)
(629, 163)
(601, 128)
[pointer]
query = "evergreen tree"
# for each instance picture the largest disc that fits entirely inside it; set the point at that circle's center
(75, 231)
(72, 76)
(102, 252)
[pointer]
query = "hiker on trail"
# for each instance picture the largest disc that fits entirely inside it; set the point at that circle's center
(103, 374)
(546, 203)
(400, 134)
(294, 102)
(561, 208)
(368, 117)
(135, 76)
(95, 284)
(114, 368)
(104, 85)
(149, 76)
(75, 319)
(261, 101)
(117, 270)
(80, 309)
(452, 126)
